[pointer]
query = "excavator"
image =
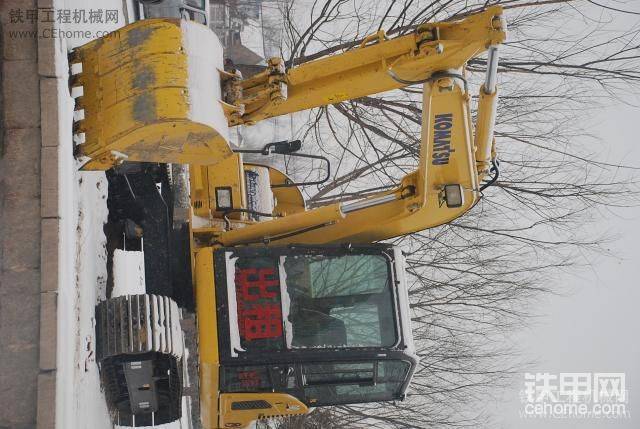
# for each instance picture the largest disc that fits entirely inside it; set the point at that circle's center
(296, 308)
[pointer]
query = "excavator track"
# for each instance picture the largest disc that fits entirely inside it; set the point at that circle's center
(140, 349)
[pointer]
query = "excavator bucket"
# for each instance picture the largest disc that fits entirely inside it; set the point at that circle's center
(150, 92)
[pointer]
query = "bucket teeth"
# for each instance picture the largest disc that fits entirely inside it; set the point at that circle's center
(79, 127)
(74, 57)
(75, 80)
(80, 103)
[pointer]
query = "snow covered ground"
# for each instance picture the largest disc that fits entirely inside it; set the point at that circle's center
(80, 401)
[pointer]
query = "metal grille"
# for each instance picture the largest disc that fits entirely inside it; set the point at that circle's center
(250, 405)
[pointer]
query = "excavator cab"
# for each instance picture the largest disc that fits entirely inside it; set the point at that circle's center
(306, 326)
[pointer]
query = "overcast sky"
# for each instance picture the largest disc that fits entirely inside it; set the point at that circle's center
(596, 326)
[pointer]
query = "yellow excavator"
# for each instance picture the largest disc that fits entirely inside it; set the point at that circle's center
(296, 308)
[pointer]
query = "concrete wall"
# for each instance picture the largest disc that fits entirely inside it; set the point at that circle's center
(29, 220)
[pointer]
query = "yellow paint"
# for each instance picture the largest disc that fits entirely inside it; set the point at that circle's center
(215, 408)
(136, 97)
(280, 405)
(487, 104)
(336, 98)
(204, 179)
(209, 358)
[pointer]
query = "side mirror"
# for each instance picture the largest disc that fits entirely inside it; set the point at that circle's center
(283, 147)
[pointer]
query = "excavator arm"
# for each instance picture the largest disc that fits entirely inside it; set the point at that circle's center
(377, 65)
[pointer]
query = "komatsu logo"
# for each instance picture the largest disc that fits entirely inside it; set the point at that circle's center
(442, 139)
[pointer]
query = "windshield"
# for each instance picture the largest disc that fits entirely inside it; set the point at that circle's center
(338, 301)
(357, 382)
(322, 383)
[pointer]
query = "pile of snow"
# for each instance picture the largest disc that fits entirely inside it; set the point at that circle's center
(128, 273)
(204, 59)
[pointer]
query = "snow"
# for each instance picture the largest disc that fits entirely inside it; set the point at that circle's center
(200, 222)
(204, 59)
(286, 302)
(128, 273)
(80, 402)
(234, 330)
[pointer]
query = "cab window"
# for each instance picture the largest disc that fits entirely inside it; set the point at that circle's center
(345, 383)
(339, 301)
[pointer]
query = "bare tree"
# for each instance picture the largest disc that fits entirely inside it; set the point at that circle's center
(474, 279)
(319, 418)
